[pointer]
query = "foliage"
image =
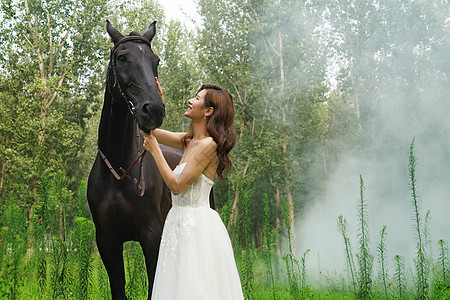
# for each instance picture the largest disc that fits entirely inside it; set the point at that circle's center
(51, 54)
(178, 76)
(309, 80)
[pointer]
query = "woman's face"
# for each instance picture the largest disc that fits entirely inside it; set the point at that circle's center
(195, 108)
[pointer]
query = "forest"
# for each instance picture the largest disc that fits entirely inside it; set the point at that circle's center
(341, 114)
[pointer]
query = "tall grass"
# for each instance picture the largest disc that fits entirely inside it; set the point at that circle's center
(422, 285)
(303, 282)
(293, 269)
(365, 259)
(293, 273)
(64, 264)
(400, 276)
(135, 270)
(14, 247)
(441, 285)
(83, 240)
(443, 260)
(247, 272)
(382, 259)
(60, 270)
(42, 229)
(103, 288)
(82, 199)
(428, 244)
(268, 240)
(343, 230)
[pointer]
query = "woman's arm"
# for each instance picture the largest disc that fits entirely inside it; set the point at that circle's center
(171, 139)
(203, 154)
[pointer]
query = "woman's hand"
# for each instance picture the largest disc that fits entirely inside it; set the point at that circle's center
(159, 89)
(150, 142)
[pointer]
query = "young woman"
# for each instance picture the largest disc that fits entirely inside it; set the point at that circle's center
(196, 258)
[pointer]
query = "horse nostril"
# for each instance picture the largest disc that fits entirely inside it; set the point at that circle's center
(163, 111)
(155, 110)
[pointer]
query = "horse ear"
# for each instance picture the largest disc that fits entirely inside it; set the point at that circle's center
(113, 33)
(150, 33)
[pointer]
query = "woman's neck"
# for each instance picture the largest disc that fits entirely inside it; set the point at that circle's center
(199, 130)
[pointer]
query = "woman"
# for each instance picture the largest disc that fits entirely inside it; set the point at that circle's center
(196, 258)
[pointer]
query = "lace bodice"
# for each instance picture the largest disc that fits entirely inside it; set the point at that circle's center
(197, 195)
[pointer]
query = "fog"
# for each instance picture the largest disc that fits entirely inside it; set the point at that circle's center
(403, 75)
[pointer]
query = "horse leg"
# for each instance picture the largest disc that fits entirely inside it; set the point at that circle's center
(150, 247)
(112, 257)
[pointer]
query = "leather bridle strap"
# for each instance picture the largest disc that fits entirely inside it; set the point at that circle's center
(111, 168)
(131, 38)
(113, 66)
(108, 164)
(140, 158)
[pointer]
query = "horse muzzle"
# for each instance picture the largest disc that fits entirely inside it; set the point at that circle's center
(150, 116)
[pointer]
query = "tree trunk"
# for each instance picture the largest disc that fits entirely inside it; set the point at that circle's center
(242, 97)
(283, 108)
(290, 200)
(233, 212)
(277, 219)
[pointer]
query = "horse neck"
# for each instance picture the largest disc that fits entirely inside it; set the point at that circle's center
(117, 132)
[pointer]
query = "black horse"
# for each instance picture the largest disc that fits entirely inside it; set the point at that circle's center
(125, 208)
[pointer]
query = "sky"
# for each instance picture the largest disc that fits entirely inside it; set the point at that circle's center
(183, 10)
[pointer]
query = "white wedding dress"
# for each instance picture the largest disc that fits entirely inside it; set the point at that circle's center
(196, 259)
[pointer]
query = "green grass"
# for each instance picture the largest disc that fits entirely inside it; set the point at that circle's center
(29, 287)
(42, 264)
(332, 287)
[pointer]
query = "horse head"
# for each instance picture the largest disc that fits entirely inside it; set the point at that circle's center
(132, 70)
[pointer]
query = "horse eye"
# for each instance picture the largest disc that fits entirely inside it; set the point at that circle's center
(122, 59)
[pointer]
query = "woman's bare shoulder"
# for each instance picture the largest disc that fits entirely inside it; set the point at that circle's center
(209, 142)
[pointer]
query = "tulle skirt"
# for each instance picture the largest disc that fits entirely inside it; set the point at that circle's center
(196, 259)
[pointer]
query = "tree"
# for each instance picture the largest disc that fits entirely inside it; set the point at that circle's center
(259, 51)
(225, 50)
(178, 75)
(52, 50)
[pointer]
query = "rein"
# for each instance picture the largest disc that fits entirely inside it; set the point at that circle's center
(140, 188)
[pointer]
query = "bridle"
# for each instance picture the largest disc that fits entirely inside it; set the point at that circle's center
(139, 183)
(112, 65)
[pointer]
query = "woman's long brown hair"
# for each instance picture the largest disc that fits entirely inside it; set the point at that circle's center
(219, 125)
